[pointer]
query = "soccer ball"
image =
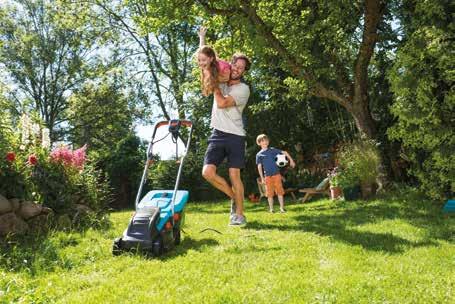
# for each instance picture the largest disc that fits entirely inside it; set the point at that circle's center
(281, 160)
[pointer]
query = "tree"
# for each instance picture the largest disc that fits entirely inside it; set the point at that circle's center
(48, 51)
(423, 84)
(99, 116)
(159, 47)
(325, 46)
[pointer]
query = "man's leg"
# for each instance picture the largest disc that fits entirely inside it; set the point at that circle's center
(237, 187)
(209, 173)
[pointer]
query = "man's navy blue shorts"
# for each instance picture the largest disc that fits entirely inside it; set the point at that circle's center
(225, 145)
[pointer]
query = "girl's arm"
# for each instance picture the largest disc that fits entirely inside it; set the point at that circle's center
(291, 161)
(202, 31)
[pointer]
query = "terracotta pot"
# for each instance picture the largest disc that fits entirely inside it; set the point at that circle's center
(335, 192)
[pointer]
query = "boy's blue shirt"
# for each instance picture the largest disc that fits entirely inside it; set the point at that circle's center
(267, 159)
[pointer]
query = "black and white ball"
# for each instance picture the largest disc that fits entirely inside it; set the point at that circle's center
(281, 160)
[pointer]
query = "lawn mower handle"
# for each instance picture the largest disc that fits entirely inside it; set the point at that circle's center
(172, 125)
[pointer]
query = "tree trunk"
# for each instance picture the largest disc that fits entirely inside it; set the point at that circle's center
(367, 128)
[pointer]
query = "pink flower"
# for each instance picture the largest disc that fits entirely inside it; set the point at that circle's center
(62, 154)
(32, 160)
(79, 157)
(70, 158)
(10, 156)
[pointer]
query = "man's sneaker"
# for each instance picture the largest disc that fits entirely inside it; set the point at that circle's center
(237, 220)
(271, 211)
(282, 211)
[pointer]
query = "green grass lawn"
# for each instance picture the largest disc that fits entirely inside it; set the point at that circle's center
(394, 250)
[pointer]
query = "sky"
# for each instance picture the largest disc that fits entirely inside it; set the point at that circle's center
(164, 148)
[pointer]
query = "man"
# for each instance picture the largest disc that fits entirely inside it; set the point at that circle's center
(228, 137)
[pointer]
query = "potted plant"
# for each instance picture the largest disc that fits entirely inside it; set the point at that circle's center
(360, 160)
(336, 191)
(349, 182)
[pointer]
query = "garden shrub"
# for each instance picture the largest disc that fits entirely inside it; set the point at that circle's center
(59, 179)
(359, 161)
(422, 80)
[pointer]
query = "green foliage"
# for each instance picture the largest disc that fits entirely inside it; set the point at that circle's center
(60, 186)
(13, 176)
(48, 51)
(28, 171)
(123, 164)
(162, 175)
(359, 161)
(423, 84)
(100, 115)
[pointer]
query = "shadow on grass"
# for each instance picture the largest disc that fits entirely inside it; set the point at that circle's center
(337, 221)
(188, 244)
(337, 230)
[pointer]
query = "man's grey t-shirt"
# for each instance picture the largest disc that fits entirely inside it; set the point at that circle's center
(229, 119)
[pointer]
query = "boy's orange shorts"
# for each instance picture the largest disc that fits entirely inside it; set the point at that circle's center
(273, 184)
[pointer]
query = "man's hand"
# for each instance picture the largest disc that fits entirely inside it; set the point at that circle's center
(263, 181)
(223, 101)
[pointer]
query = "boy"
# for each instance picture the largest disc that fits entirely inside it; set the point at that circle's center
(269, 171)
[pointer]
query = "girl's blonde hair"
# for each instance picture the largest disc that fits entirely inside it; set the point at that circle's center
(208, 83)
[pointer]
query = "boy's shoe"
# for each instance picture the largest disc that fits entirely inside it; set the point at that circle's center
(237, 220)
(271, 211)
(282, 211)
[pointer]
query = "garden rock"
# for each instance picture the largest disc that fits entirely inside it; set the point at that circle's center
(29, 209)
(15, 203)
(64, 221)
(40, 222)
(5, 205)
(47, 210)
(10, 223)
(82, 209)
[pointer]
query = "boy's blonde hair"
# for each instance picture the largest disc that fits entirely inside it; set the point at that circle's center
(260, 138)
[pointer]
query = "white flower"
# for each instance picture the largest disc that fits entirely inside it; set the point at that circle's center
(26, 125)
(45, 139)
(35, 128)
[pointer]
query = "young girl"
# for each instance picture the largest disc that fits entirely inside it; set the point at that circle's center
(213, 70)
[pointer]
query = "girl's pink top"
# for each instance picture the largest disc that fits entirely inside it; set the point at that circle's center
(223, 66)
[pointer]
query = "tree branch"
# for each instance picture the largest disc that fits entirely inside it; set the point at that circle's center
(373, 13)
(317, 88)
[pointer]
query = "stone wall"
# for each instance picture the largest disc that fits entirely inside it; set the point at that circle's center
(18, 217)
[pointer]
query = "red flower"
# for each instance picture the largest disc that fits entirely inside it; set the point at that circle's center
(32, 160)
(10, 156)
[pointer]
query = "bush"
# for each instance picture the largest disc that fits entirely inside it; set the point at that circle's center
(61, 186)
(59, 179)
(123, 165)
(359, 161)
(422, 81)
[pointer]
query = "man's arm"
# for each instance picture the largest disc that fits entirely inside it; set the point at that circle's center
(223, 101)
(291, 161)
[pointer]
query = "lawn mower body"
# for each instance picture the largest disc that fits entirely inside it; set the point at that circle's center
(156, 224)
